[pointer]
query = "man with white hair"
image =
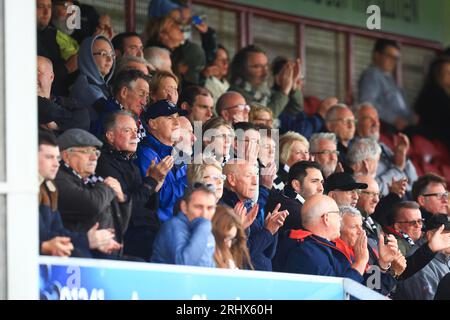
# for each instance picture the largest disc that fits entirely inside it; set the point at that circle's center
(323, 146)
(363, 157)
(314, 251)
(395, 172)
(159, 58)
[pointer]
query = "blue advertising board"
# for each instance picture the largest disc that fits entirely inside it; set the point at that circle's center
(84, 279)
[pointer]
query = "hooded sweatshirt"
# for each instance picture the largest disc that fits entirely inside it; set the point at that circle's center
(91, 88)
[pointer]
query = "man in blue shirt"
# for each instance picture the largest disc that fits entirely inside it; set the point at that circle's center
(378, 86)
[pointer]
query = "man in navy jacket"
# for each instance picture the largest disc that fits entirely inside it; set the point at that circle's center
(314, 250)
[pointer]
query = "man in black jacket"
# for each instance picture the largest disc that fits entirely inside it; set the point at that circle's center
(85, 198)
(116, 161)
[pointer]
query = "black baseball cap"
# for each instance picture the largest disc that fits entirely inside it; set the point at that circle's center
(342, 181)
(436, 221)
(163, 108)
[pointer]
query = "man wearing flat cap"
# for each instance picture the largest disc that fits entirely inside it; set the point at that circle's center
(85, 198)
(162, 119)
(423, 284)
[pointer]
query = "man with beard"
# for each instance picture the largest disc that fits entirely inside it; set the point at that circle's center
(323, 147)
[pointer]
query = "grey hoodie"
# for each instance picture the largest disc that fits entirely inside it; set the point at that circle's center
(90, 86)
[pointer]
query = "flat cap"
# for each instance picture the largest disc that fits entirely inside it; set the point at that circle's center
(77, 138)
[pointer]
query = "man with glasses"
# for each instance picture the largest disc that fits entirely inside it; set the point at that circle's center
(430, 191)
(395, 172)
(232, 107)
(340, 120)
(323, 147)
(96, 65)
(130, 93)
(423, 285)
(117, 161)
(85, 198)
(314, 251)
(378, 86)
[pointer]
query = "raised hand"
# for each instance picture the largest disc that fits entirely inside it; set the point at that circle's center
(398, 187)
(399, 264)
(114, 184)
(268, 174)
(387, 251)
(57, 246)
(159, 171)
(437, 240)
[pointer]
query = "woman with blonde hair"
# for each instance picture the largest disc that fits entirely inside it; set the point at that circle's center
(231, 242)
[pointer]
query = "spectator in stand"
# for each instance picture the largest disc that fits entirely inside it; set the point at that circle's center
(351, 229)
(130, 93)
(47, 46)
(208, 172)
(164, 85)
(260, 115)
(198, 102)
(323, 147)
(433, 103)
(116, 160)
(216, 74)
(430, 191)
(86, 199)
(305, 180)
(218, 137)
(407, 225)
(393, 164)
(184, 147)
(232, 107)
(415, 262)
(378, 86)
(423, 285)
(158, 58)
(57, 113)
(293, 148)
(187, 239)
(341, 121)
(96, 61)
(240, 187)
(363, 157)
(128, 44)
(343, 189)
(231, 241)
(162, 119)
(188, 62)
(54, 239)
(313, 250)
(249, 75)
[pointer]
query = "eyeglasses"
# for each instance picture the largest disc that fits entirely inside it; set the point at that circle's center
(105, 54)
(326, 152)
(242, 107)
(88, 152)
(369, 193)
(259, 66)
(412, 223)
(439, 195)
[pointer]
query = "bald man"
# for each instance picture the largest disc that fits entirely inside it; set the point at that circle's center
(239, 189)
(232, 107)
(57, 113)
(313, 250)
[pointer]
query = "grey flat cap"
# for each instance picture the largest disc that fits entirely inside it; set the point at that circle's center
(77, 138)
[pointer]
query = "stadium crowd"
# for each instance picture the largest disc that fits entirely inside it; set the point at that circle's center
(154, 148)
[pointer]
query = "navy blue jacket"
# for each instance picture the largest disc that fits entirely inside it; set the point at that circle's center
(301, 123)
(314, 255)
(261, 243)
(174, 184)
